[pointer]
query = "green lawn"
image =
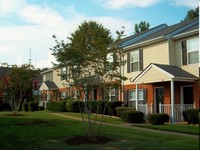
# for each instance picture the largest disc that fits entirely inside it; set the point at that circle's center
(38, 130)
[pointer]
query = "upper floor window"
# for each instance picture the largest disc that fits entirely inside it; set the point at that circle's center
(135, 61)
(63, 73)
(190, 51)
(49, 76)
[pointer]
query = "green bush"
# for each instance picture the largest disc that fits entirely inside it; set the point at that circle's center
(57, 106)
(73, 105)
(25, 107)
(33, 106)
(191, 116)
(158, 118)
(41, 107)
(102, 105)
(119, 110)
(111, 107)
(132, 116)
(92, 106)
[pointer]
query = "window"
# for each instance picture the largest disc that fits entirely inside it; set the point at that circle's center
(63, 73)
(49, 76)
(132, 95)
(135, 61)
(190, 51)
(193, 50)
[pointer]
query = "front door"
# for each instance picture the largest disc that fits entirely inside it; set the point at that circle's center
(159, 97)
(188, 95)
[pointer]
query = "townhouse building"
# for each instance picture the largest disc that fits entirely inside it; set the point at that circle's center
(162, 67)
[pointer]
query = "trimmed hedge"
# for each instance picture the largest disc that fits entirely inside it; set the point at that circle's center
(191, 116)
(158, 118)
(119, 110)
(132, 116)
(33, 106)
(111, 107)
(57, 106)
(73, 105)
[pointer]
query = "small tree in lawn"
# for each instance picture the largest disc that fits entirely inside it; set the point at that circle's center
(16, 85)
(86, 57)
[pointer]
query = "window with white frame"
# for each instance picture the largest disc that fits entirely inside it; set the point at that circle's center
(132, 95)
(193, 50)
(134, 61)
(63, 73)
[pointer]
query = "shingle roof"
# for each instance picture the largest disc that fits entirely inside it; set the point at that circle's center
(51, 85)
(162, 31)
(175, 71)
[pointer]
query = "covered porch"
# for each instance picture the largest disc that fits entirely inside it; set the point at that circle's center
(172, 90)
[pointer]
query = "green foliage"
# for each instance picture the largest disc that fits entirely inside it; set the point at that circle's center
(111, 107)
(142, 26)
(192, 13)
(33, 106)
(57, 106)
(120, 110)
(75, 105)
(158, 118)
(132, 116)
(191, 116)
(25, 107)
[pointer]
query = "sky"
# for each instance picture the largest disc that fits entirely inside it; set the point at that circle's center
(27, 26)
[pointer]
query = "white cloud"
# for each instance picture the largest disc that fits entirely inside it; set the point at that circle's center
(118, 4)
(43, 22)
(10, 6)
(187, 3)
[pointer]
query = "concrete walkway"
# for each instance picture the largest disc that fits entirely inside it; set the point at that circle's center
(130, 126)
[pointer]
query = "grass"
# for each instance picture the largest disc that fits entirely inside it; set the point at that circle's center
(38, 130)
(181, 128)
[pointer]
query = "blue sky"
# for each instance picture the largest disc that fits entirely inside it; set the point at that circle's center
(28, 25)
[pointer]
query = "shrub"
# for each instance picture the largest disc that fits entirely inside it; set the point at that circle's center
(92, 106)
(111, 107)
(33, 106)
(119, 110)
(158, 119)
(41, 107)
(25, 106)
(191, 116)
(132, 116)
(73, 105)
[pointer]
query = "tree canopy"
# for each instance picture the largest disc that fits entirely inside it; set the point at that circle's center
(142, 26)
(192, 13)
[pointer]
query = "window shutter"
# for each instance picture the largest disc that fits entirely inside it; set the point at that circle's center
(184, 52)
(145, 96)
(141, 59)
(128, 62)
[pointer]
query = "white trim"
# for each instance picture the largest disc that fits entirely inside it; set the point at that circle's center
(172, 102)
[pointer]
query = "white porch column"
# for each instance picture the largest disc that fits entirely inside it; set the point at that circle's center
(136, 96)
(172, 101)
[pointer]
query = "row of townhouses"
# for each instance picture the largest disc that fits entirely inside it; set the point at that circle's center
(162, 67)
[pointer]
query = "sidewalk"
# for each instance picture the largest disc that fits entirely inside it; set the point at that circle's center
(130, 126)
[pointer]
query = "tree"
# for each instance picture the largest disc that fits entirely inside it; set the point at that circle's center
(16, 85)
(142, 26)
(192, 13)
(87, 62)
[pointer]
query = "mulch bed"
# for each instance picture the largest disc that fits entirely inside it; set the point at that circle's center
(78, 140)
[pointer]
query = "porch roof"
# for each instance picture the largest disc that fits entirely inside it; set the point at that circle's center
(48, 85)
(161, 73)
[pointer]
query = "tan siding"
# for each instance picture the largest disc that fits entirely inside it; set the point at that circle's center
(192, 68)
(156, 53)
(153, 75)
(172, 52)
(57, 78)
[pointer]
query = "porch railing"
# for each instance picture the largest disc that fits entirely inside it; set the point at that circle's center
(178, 109)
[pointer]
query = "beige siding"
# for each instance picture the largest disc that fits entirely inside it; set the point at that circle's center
(57, 78)
(192, 68)
(153, 75)
(154, 53)
(172, 53)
